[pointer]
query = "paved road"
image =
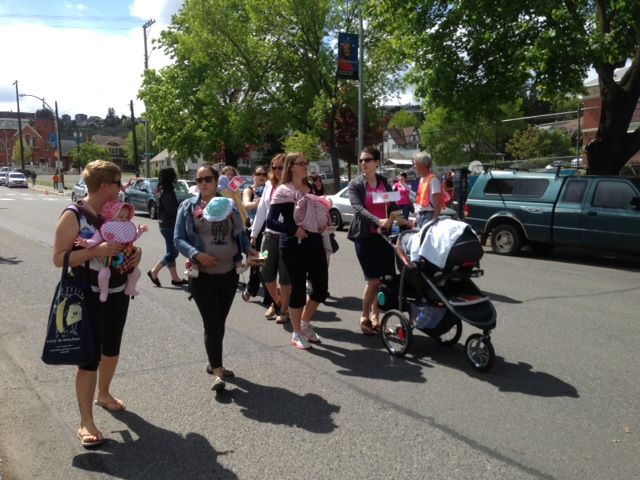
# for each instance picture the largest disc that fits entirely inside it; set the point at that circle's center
(561, 402)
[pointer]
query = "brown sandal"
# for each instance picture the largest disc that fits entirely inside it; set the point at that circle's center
(366, 326)
(376, 325)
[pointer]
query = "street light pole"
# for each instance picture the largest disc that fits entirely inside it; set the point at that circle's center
(360, 83)
(147, 134)
(58, 140)
(19, 126)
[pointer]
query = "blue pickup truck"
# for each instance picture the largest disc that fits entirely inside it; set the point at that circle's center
(545, 209)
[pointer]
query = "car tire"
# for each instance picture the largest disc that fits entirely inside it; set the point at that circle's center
(506, 240)
(336, 219)
(153, 210)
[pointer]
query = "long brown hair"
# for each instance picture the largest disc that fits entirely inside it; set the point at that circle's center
(289, 160)
(272, 177)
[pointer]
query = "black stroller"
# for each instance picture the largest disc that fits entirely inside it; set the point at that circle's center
(437, 300)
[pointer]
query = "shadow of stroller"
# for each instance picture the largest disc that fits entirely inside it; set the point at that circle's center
(279, 406)
(156, 453)
(506, 376)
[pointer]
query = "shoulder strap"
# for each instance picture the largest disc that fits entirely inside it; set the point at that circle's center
(79, 209)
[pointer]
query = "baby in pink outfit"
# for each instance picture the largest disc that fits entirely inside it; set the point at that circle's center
(312, 212)
(119, 228)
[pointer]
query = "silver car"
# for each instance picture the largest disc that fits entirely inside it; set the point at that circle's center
(17, 179)
(3, 177)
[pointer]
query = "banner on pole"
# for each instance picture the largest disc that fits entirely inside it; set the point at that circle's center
(348, 67)
(386, 197)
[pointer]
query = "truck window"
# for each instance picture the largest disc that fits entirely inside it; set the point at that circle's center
(499, 186)
(574, 192)
(611, 194)
(531, 187)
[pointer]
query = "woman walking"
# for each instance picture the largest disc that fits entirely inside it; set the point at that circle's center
(251, 198)
(167, 211)
(302, 251)
(374, 254)
(274, 268)
(210, 233)
(108, 318)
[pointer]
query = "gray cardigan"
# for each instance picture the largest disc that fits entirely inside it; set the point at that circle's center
(363, 219)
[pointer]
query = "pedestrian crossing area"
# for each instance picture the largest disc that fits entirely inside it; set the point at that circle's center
(30, 195)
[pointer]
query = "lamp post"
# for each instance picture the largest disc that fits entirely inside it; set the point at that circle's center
(58, 140)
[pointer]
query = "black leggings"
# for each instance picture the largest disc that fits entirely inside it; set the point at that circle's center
(306, 260)
(107, 322)
(214, 295)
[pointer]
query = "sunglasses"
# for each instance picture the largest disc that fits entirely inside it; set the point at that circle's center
(276, 168)
(260, 174)
(367, 159)
(207, 179)
(117, 182)
(301, 164)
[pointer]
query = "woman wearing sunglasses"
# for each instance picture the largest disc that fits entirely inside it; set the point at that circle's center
(374, 254)
(274, 267)
(302, 251)
(211, 235)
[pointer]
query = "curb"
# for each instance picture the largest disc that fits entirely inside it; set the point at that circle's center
(50, 191)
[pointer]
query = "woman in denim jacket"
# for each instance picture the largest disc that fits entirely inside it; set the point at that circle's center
(213, 246)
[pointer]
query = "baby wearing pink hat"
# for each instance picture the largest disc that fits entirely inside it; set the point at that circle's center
(119, 228)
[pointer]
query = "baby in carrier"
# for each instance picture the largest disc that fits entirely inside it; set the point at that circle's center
(311, 212)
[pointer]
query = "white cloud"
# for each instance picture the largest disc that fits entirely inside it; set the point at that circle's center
(86, 71)
(81, 7)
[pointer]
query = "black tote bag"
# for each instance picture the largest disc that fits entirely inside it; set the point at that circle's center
(69, 338)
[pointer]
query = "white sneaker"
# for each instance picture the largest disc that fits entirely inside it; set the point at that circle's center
(298, 341)
(309, 333)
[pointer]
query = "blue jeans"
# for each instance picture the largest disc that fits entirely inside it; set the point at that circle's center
(169, 259)
(424, 217)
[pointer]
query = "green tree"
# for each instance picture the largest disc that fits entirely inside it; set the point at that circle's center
(534, 142)
(306, 143)
(28, 153)
(473, 54)
(246, 71)
(403, 119)
(88, 152)
(111, 120)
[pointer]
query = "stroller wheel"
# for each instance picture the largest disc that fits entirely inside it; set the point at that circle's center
(396, 333)
(451, 336)
(479, 352)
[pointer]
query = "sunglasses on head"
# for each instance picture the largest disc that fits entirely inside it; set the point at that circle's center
(207, 179)
(367, 159)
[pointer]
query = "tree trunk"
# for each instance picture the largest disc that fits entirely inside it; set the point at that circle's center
(614, 146)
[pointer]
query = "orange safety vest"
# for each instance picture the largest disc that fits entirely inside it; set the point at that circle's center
(422, 197)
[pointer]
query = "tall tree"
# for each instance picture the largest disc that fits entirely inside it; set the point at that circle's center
(306, 143)
(472, 55)
(88, 152)
(248, 70)
(403, 119)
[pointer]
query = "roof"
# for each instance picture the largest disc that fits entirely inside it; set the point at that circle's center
(403, 136)
(160, 157)
(108, 139)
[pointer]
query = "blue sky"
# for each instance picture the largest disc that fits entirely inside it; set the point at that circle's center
(87, 55)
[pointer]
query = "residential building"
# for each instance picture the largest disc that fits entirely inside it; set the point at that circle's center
(117, 147)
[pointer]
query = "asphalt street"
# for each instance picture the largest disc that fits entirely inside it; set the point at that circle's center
(561, 401)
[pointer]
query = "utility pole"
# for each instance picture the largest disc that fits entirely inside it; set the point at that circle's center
(135, 139)
(147, 133)
(360, 82)
(59, 141)
(19, 126)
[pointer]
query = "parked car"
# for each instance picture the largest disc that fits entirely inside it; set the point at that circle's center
(17, 179)
(3, 177)
(545, 209)
(187, 184)
(142, 195)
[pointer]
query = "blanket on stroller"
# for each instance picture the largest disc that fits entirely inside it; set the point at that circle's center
(439, 238)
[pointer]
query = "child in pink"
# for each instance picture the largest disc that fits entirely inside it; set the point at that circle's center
(312, 212)
(119, 228)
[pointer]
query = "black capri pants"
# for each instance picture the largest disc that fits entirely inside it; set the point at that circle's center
(214, 295)
(306, 260)
(107, 324)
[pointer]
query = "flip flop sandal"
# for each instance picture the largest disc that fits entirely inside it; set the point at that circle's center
(376, 325)
(86, 443)
(115, 405)
(366, 326)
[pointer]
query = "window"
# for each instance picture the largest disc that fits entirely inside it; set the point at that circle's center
(500, 186)
(613, 194)
(521, 187)
(574, 192)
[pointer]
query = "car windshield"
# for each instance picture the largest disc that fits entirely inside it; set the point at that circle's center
(16, 175)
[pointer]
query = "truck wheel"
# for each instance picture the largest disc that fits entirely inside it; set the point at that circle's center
(505, 240)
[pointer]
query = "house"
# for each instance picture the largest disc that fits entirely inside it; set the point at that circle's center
(399, 147)
(38, 134)
(117, 147)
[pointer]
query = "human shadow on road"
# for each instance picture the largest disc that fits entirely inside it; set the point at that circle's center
(507, 376)
(369, 360)
(277, 405)
(10, 260)
(156, 453)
